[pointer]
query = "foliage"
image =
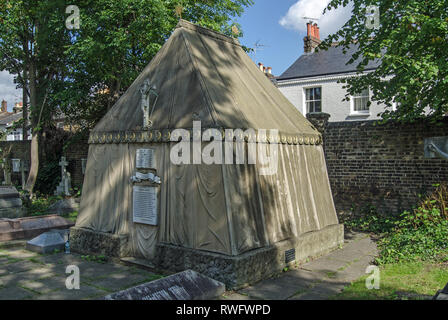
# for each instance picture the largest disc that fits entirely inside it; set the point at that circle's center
(48, 178)
(369, 221)
(401, 281)
(93, 258)
(419, 234)
(39, 206)
(412, 45)
(117, 39)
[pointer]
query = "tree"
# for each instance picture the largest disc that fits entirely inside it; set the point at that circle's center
(117, 39)
(411, 42)
(83, 72)
(32, 48)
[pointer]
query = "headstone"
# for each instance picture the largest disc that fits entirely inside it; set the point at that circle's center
(65, 184)
(186, 285)
(49, 241)
(29, 227)
(15, 165)
(83, 165)
(10, 202)
(6, 172)
(64, 206)
(144, 203)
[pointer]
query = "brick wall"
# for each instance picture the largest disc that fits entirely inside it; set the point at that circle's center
(74, 153)
(381, 165)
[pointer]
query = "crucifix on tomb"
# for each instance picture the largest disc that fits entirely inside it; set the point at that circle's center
(146, 91)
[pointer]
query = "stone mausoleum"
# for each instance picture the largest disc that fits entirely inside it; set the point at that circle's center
(231, 222)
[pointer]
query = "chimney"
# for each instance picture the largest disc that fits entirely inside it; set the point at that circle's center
(269, 70)
(261, 66)
(4, 106)
(312, 39)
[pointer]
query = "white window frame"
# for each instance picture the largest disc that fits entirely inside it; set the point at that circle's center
(358, 112)
(305, 111)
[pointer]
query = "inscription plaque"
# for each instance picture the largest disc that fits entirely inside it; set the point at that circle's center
(145, 159)
(144, 202)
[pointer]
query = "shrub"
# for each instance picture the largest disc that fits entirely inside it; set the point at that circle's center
(421, 234)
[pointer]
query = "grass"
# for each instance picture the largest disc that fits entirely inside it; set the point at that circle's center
(401, 281)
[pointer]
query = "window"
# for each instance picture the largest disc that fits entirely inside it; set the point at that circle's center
(360, 102)
(313, 99)
(17, 135)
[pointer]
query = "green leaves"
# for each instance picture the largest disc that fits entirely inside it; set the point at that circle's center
(412, 42)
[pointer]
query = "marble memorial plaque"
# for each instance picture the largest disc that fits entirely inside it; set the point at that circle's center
(145, 159)
(186, 285)
(145, 205)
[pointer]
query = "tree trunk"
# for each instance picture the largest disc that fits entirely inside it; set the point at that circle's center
(25, 107)
(34, 167)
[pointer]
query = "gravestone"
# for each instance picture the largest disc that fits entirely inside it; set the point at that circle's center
(64, 206)
(29, 227)
(49, 241)
(65, 184)
(10, 202)
(186, 285)
(6, 172)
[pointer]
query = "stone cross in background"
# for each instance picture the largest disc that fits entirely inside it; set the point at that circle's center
(65, 184)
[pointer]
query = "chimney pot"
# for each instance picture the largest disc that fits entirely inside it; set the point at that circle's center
(270, 70)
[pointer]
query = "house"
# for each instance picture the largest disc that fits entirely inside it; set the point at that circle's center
(7, 121)
(311, 82)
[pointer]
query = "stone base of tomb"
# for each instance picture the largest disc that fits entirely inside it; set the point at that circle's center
(234, 271)
(239, 271)
(99, 243)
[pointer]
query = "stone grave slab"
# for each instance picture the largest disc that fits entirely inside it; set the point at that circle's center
(64, 206)
(186, 285)
(10, 202)
(49, 241)
(30, 227)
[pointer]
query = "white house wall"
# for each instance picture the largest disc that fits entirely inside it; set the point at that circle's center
(332, 98)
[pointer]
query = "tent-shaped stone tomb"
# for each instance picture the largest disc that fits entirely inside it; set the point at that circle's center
(228, 221)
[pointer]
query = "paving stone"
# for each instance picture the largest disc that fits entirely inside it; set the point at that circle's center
(121, 281)
(277, 288)
(15, 293)
(85, 292)
(322, 291)
(324, 265)
(45, 285)
(20, 266)
(234, 296)
(21, 254)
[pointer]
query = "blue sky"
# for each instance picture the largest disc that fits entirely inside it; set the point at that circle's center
(279, 25)
(261, 23)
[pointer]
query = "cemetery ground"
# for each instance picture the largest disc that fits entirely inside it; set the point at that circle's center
(410, 250)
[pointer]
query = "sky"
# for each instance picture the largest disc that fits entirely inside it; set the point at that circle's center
(276, 25)
(280, 27)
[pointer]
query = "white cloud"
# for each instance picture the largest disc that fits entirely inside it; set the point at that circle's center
(328, 23)
(8, 89)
